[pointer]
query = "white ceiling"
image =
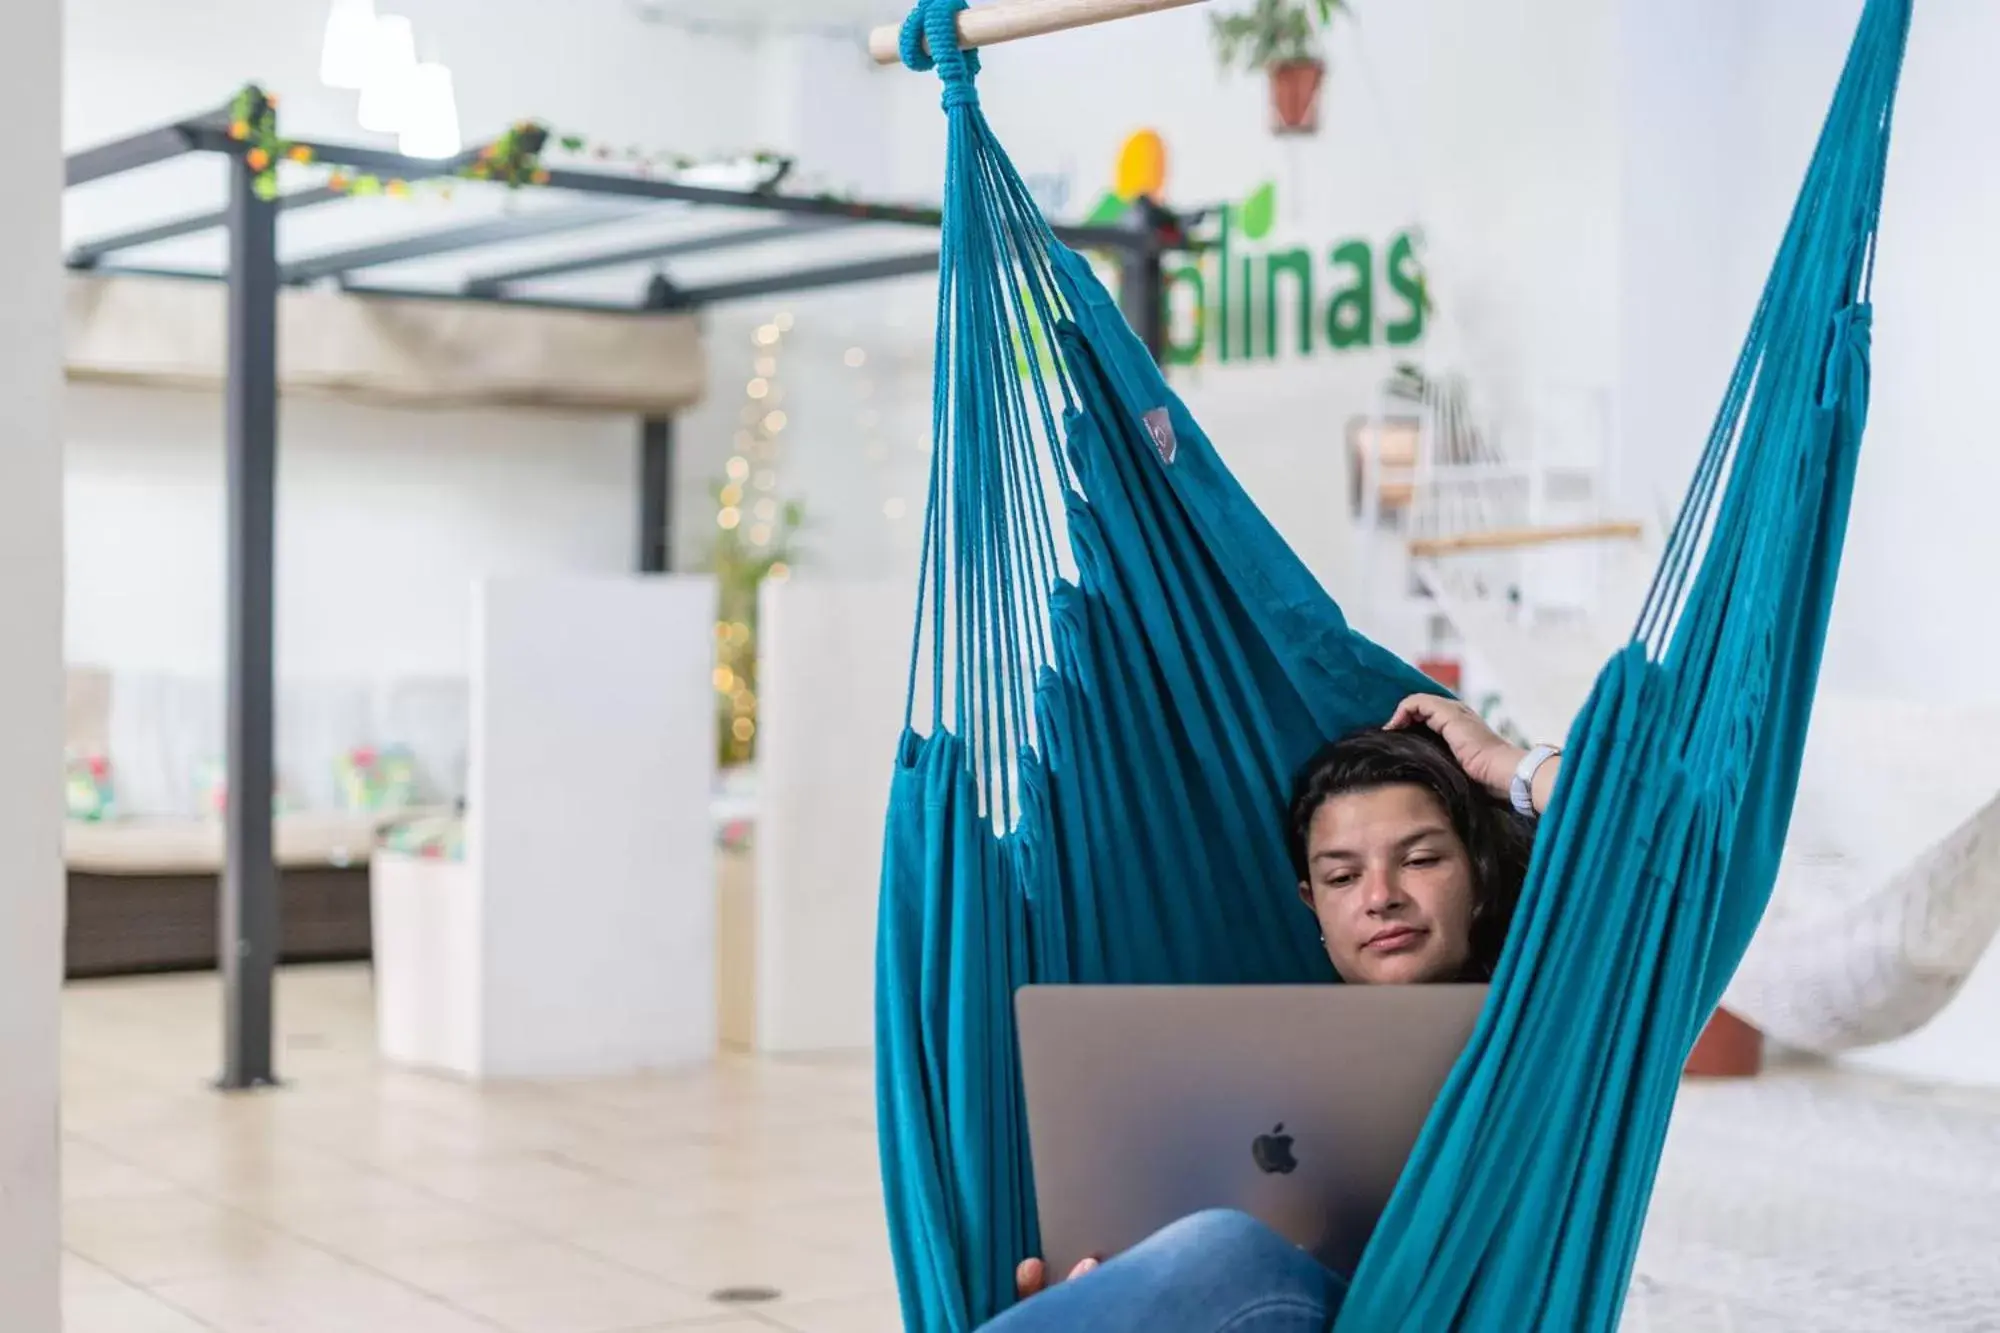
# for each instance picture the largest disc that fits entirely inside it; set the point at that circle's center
(842, 12)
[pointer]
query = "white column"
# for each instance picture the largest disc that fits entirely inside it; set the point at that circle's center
(31, 557)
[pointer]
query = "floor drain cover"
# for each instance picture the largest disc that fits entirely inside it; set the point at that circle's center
(744, 1295)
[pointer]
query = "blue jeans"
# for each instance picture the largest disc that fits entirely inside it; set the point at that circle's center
(1214, 1272)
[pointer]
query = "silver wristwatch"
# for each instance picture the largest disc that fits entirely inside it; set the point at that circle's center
(1523, 790)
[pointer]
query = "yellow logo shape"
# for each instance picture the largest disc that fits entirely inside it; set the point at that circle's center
(1142, 167)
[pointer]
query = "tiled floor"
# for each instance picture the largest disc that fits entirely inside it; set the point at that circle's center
(362, 1199)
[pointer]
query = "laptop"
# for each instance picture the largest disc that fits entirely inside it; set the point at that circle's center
(1295, 1104)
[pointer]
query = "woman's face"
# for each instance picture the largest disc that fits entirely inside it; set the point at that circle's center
(1391, 885)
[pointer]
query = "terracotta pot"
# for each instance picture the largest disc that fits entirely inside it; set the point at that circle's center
(1295, 86)
(1444, 671)
(1728, 1048)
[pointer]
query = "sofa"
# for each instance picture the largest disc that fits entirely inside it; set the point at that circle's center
(144, 874)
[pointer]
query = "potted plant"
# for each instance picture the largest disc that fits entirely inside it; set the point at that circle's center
(1281, 38)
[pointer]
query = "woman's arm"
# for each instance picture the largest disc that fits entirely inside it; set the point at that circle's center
(1485, 756)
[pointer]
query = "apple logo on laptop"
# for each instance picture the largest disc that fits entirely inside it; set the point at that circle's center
(1273, 1153)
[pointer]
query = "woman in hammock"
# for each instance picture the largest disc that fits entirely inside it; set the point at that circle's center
(1411, 843)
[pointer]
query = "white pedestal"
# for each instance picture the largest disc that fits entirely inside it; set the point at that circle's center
(578, 938)
(425, 918)
(833, 664)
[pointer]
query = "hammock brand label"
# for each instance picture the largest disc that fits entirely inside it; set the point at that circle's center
(1248, 299)
(1160, 425)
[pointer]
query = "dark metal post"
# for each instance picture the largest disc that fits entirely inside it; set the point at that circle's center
(1142, 282)
(656, 495)
(249, 943)
(656, 459)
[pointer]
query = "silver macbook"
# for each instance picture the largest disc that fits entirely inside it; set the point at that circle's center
(1295, 1104)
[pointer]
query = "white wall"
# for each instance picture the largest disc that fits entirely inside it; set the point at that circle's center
(384, 520)
(1722, 104)
(30, 674)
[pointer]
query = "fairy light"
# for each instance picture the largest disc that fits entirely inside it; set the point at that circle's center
(752, 523)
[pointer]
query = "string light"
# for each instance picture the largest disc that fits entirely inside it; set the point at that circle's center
(775, 422)
(767, 336)
(728, 518)
(725, 679)
(780, 570)
(783, 323)
(739, 468)
(758, 388)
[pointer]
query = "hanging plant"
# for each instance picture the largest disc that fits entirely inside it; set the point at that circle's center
(1281, 38)
(514, 159)
(253, 121)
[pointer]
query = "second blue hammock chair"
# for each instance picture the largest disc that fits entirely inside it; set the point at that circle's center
(1116, 718)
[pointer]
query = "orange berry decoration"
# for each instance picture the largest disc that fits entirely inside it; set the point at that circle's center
(258, 159)
(239, 129)
(300, 153)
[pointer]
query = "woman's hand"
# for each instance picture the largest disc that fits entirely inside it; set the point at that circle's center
(1486, 758)
(1032, 1277)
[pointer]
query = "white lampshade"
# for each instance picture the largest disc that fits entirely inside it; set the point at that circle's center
(349, 52)
(385, 95)
(430, 128)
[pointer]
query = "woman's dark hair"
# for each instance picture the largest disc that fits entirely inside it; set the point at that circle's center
(1497, 838)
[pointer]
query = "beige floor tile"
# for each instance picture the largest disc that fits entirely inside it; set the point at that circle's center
(869, 1314)
(165, 1238)
(331, 1296)
(124, 1310)
(458, 1271)
(605, 1305)
(730, 1252)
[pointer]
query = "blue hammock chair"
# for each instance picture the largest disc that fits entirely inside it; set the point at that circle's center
(1115, 718)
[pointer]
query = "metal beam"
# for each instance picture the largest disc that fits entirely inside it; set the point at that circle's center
(128, 154)
(392, 293)
(641, 187)
(491, 284)
(812, 279)
(86, 254)
(449, 240)
(250, 908)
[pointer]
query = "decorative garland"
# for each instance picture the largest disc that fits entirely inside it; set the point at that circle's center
(514, 159)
